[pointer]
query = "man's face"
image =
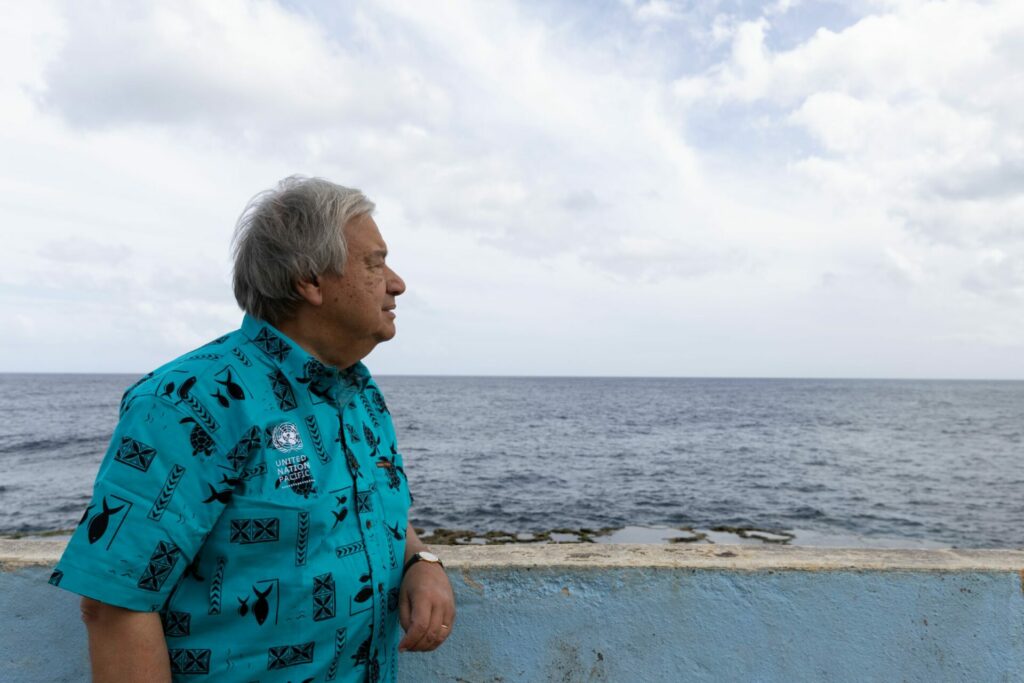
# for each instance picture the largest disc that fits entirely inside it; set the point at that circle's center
(359, 304)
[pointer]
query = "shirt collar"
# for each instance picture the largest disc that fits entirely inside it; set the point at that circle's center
(300, 366)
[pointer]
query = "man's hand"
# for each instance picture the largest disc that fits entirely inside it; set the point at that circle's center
(426, 607)
(426, 603)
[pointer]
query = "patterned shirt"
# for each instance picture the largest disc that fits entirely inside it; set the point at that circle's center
(256, 498)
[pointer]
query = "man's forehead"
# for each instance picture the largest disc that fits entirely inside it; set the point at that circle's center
(363, 236)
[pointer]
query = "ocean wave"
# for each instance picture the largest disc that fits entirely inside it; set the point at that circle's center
(27, 446)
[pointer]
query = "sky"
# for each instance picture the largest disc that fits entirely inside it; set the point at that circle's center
(619, 188)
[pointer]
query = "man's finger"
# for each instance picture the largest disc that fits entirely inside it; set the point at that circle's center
(451, 616)
(418, 626)
(403, 611)
(435, 634)
(448, 622)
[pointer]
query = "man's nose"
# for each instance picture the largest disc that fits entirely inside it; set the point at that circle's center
(396, 285)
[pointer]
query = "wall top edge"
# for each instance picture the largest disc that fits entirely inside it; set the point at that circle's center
(15, 554)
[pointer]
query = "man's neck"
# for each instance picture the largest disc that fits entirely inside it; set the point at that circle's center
(318, 342)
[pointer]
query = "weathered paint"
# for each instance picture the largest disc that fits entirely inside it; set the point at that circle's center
(42, 637)
(651, 613)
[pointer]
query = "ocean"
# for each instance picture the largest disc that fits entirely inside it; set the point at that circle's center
(865, 462)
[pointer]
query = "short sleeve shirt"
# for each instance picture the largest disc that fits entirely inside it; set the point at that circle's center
(257, 499)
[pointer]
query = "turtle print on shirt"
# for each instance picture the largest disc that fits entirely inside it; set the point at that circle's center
(252, 494)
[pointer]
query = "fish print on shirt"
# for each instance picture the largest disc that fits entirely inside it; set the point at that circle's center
(261, 602)
(101, 522)
(228, 389)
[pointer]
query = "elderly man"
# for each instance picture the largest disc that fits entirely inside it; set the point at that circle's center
(250, 519)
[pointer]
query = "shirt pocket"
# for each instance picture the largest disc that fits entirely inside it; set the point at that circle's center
(286, 471)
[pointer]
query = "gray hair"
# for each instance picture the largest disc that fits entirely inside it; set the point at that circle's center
(287, 234)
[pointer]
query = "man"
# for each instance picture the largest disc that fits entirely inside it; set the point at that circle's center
(250, 519)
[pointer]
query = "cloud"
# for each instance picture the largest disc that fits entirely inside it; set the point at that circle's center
(658, 166)
(921, 49)
(911, 109)
(233, 64)
(653, 260)
(489, 120)
(655, 10)
(988, 178)
(81, 250)
(997, 274)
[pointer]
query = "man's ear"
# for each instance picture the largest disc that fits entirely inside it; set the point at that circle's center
(309, 289)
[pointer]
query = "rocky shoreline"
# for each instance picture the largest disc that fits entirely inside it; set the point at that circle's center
(722, 535)
(716, 534)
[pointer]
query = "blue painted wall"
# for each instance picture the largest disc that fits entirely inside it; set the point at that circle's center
(42, 637)
(713, 625)
(648, 624)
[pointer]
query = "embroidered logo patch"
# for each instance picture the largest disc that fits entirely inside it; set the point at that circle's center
(286, 437)
(293, 473)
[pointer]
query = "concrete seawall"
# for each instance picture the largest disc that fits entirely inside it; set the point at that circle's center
(590, 612)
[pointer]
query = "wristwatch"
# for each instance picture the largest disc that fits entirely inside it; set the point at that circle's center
(425, 556)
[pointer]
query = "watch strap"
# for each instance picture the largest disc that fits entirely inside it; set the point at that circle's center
(417, 557)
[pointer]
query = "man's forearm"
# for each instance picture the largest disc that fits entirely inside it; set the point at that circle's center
(412, 542)
(125, 646)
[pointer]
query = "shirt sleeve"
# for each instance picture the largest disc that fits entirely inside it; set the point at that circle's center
(160, 489)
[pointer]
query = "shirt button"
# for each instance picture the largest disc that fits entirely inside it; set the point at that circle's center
(368, 524)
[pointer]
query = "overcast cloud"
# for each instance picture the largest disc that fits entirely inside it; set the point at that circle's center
(622, 188)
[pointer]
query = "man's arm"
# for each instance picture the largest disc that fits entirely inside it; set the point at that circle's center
(126, 641)
(426, 603)
(125, 646)
(413, 544)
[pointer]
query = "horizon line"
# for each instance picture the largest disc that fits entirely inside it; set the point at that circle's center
(648, 377)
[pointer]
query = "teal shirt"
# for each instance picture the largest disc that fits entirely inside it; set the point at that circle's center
(256, 498)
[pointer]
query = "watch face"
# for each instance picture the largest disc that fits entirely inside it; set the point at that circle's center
(428, 556)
